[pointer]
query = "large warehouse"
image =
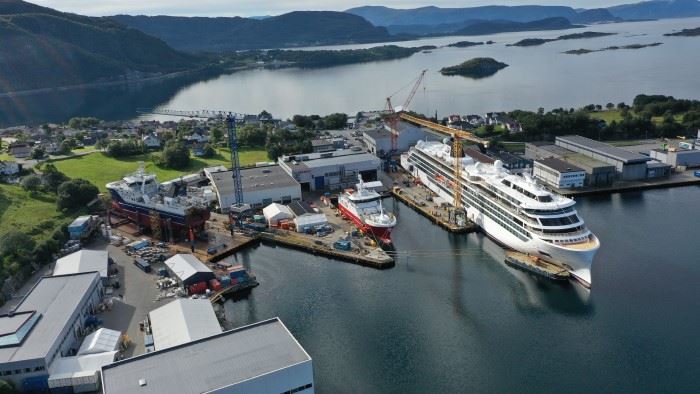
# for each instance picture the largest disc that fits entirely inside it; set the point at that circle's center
(260, 358)
(598, 173)
(558, 173)
(331, 170)
(188, 269)
(261, 186)
(181, 321)
(46, 325)
(629, 165)
(379, 141)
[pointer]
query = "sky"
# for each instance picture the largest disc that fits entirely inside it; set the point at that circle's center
(272, 7)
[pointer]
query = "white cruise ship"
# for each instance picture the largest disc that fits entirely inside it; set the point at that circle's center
(515, 211)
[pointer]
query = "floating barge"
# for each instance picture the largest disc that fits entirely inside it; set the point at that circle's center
(536, 265)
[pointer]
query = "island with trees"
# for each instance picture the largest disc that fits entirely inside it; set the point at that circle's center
(465, 44)
(480, 67)
(528, 42)
(685, 33)
(584, 51)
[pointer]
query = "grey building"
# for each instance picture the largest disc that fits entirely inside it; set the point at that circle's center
(260, 358)
(48, 323)
(327, 144)
(513, 163)
(630, 166)
(188, 269)
(261, 186)
(558, 173)
(677, 157)
(330, 170)
(379, 141)
(598, 173)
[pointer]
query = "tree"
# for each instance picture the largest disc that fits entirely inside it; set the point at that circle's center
(66, 147)
(216, 134)
(265, 115)
(175, 155)
(208, 151)
(335, 121)
(31, 183)
(7, 387)
(16, 244)
(609, 106)
(621, 105)
(38, 153)
(75, 193)
(52, 178)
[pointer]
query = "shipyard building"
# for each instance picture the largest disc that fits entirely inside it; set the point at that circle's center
(46, 325)
(558, 173)
(378, 141)
(84, 261)
(330, 170)
(260, 358)
(182, 321)
(630, 166)
(261, 186)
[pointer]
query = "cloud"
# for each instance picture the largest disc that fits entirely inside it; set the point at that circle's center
(264, 7)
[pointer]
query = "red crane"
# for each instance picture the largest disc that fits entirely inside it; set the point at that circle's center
(393, 118)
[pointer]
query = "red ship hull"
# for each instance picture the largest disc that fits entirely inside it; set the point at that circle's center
(383, 234)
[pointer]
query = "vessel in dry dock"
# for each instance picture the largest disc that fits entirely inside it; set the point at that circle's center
(364, 208)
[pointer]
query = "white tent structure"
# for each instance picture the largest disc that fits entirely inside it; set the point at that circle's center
(81, 373)
(309, 221)
(181, 321)
(100, 341)
(275, 212)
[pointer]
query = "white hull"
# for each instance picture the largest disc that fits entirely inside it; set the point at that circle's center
(577, 262)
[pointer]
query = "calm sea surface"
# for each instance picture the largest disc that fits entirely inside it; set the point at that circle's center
(537, 77)
(466, 322)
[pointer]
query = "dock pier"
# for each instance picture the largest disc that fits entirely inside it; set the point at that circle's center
(435, 214)
(375, 258)
(536, 265)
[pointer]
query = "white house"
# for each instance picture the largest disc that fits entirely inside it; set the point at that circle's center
(151, 141)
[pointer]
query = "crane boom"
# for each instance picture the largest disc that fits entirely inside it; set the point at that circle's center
(444, 130)
(393, 115)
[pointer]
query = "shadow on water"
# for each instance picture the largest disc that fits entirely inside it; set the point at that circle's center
(108, 103)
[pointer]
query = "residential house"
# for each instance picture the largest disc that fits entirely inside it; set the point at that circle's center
(494, 118)
(513, 126)
(9, 167)
(151, 141)
(20, 150)
(474, 120)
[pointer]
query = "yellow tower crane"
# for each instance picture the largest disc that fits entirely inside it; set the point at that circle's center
(457, 137)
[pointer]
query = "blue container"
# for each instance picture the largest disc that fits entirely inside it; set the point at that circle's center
(238, 274)
(163, 272)
(225, 281)
(697, 174)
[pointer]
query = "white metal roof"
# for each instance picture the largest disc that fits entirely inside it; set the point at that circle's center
(211, 363)
(55, 298)
(78, 370)
(186, 265)
(100, 341)
(83, 261)
(181, 321)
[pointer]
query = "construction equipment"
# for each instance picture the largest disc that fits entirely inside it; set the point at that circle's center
(457, 137)
(229, 117)
(393, 118)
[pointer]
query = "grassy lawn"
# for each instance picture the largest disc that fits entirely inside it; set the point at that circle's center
(100, 169)
(21, 211)
(5, 156)
(609, 116)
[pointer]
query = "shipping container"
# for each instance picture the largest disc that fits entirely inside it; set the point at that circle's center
(148, 340)
(225, 281)
(342, 245)
(143, 265)
(198, 288)
(163, 272)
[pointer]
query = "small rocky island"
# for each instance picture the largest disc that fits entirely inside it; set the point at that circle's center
(480, 67)
(529, 42)
(612, 48)
(465, 44)
(685, 33)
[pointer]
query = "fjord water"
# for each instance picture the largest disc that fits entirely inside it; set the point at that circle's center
(466, 322)
(539, 76)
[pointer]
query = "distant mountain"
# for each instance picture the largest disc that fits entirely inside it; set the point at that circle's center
(301, 28)
(41, 47)
(432, 16)
(657, 9)
(492, 27)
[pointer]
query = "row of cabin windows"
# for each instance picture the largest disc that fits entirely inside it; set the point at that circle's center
(491, 210)
(23, 371)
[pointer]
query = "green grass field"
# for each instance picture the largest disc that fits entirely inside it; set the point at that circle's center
(21, 211)
(609, 116)
(101, 169)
